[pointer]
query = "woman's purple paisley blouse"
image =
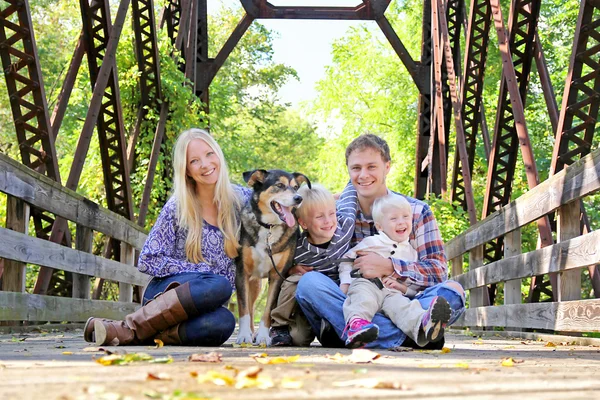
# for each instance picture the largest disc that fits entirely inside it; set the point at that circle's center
(163, 253)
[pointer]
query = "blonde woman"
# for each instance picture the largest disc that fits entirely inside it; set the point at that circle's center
(189, 253)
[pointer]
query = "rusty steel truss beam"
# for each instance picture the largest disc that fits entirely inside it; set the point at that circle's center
(517, 49)
(578, 117)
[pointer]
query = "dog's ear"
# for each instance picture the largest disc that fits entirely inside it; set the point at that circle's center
(252, 177)
(301, 178)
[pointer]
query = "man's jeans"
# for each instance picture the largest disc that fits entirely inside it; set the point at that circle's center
(320, 298)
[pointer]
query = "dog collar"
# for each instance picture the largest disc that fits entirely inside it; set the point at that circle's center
(268, 226)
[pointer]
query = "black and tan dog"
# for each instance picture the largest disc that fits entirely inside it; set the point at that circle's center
(268, 239)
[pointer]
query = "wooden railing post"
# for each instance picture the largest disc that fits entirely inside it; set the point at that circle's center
(457, 266)
(568, 227)
(479, 296)
(512, 247)
(83, 242)
(17, 219)
(127, 257)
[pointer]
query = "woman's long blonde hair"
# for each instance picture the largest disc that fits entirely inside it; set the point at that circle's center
(189, 209)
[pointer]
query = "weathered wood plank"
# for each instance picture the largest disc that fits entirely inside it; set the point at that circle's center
(575, 181)
(569, 282)
(32, 307)
(84, 237)
(125, 289)
(38, 190)
(512, 247)
(578, 252)
(567, 316)
(17, 219)
(19, 247)
(479, 297)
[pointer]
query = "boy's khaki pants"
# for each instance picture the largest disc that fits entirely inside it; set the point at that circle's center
(365, 299)
(287, 312)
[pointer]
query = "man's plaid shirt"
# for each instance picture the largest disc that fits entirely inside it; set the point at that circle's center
(431, 267)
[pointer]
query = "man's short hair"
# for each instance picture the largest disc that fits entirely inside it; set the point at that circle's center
(369, 141)
(387, 202)
(316, 198)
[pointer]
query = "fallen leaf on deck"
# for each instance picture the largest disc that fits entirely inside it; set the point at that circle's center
(525, 343)
(259, 355)
(67, 353)
(290, 383)
(462, 365)
(212, 357)
(371, 383)
(360, 356)
(277, 360)
(251, 372)
(260, 382)
(218, 378)
(162, 360)
(161, 376)
(360, 371)
(509, 347)
(549, 344)
(508, 362)
(121, 359)
(446, 350)
(93, 349)
(159, 343)
(338, 357)
(59, 347)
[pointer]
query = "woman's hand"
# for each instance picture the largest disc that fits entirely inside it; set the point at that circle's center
(299, 269)
(344, 287)
(372, 265)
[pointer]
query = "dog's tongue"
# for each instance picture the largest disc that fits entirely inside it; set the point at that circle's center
(288, 217)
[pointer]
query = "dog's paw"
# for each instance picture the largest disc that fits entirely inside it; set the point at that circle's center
(244, 338)
(262, 336)
(245, 333)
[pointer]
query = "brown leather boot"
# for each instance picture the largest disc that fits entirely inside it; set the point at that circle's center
(170, 336)
(166, 310)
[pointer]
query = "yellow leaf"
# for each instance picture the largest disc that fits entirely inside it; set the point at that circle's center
(159, 343)
(260, 382)
(290, 383)
(217, 378)
(446, 350)
(550, 344)
(67, 353)
(508, 362)
(277, 360)
(462, 365)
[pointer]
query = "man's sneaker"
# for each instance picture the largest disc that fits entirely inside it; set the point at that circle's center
(280, 336)
(360, 332)
(435, 319)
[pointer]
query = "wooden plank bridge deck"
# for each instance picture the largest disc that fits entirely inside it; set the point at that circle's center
(54, 365)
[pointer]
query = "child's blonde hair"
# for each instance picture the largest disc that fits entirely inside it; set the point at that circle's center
(317, 197)
(386, 202)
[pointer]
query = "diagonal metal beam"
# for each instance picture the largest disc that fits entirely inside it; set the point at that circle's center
(516, 49)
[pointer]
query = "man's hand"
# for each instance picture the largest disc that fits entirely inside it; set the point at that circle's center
(299, 269)
(372, 265)
(391, 283)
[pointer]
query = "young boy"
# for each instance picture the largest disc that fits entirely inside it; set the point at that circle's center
(326, 236)
(393, 219)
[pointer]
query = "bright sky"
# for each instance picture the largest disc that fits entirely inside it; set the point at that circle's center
(304, 45)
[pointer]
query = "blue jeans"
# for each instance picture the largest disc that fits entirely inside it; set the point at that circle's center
(320, 298)
(210, 292)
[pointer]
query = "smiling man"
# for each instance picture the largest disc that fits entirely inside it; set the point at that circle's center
(368, 162)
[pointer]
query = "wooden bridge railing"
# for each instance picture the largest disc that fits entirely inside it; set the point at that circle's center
(572, 252)
(26, 188)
